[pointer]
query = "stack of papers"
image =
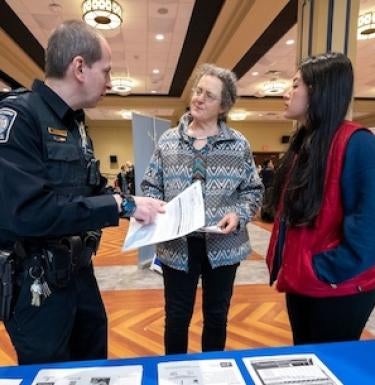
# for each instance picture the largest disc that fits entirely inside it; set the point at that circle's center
(201, 372)
(105, 375)
(183, 215)
(291, 369)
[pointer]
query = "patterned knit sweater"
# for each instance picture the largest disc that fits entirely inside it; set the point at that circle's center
(231, 184)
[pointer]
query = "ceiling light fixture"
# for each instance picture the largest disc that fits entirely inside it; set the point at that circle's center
(159, 36)
(102, 14)
(274, 87)
(238, 115)
(122, 86)
(366, 26)
(127, 114)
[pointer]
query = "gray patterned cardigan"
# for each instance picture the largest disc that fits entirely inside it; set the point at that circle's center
(232, 185)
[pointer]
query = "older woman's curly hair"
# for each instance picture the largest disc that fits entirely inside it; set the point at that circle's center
(228, 79)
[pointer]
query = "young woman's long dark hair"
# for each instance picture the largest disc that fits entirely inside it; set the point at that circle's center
(329, 78)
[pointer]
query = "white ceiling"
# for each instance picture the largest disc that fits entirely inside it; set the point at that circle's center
(136, 52)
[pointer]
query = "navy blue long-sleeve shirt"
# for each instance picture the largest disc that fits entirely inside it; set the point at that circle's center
(356, 252)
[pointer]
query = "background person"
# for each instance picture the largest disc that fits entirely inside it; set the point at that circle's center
(267, 174)
(121, 182)
(130, 177)
(202, 147)
(322, 248)
(53, 202)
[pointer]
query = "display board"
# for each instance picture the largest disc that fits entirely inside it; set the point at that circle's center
(146, 132)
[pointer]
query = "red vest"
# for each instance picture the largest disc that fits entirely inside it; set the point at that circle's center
(296, 274)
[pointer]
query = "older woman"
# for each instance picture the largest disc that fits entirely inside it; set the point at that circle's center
(202, 147)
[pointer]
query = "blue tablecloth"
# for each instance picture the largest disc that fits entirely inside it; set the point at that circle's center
(352, 362)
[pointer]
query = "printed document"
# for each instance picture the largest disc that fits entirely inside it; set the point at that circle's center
(105, 375)
(183, 215)
(201, 372)
(291, 369)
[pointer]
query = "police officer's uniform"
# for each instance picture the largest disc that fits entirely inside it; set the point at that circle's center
(51, 196)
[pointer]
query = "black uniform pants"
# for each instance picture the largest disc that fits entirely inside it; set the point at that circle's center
(331, 319)
(179, 292)
(71, 324)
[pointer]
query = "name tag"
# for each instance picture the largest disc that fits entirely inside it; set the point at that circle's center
(57, 132)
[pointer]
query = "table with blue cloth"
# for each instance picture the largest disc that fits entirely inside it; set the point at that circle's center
(353, 363)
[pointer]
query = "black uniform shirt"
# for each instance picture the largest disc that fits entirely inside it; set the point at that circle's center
(44, 192)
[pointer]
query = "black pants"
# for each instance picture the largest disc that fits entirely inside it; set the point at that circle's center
(180, 290)
(330, 319)
(71, 324)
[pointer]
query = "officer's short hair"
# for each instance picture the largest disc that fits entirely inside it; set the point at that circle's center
(72, 38)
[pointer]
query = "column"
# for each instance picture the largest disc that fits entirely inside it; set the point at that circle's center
(327, 25)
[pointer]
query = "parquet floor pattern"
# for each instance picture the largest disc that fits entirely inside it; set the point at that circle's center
(136, 321)
(257, 315)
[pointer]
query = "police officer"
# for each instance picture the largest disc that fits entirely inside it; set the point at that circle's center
(53, 202)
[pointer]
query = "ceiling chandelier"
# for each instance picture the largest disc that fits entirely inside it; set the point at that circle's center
(274, 87)
(122, 86)
(366, 26)
(102, 14)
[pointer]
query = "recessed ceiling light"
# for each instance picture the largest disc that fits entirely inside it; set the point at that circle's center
(155, 71)
(159, 36)
(255, 73)
(153, 92)
(290, 42)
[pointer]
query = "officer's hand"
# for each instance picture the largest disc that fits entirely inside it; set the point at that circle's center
(147, 208)
(229, 223)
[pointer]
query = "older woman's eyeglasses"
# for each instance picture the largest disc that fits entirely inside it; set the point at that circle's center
(207, 95)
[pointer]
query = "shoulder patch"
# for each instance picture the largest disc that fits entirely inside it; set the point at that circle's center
(7, 118)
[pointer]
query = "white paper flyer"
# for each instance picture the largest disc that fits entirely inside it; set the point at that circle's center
(201, 372)
(183, 215)
(106, 375)
(291, 369)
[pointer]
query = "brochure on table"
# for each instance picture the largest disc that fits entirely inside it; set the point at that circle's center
(293, 369)
(107, 375)
(290, 369)
(201, 372)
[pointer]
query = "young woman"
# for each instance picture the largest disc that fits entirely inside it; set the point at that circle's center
(322, 249)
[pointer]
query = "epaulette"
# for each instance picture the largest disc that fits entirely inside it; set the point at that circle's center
(13, 93)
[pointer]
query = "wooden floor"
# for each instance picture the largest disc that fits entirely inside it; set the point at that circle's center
(257, 315)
